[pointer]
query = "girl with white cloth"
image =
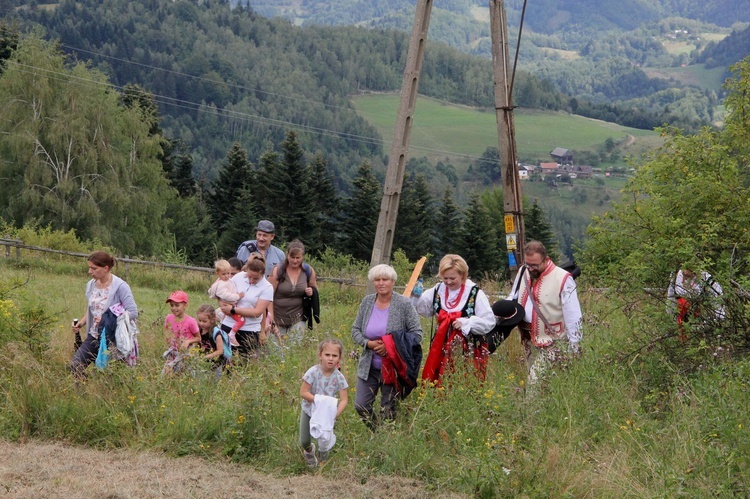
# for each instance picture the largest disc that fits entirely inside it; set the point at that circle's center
(320, 385)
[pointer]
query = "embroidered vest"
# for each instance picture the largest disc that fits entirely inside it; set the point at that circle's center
(546, 293)
(468, 309)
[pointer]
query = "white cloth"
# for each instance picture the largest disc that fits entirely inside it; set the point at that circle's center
(125, 337)
(322, 419)
(703, 287)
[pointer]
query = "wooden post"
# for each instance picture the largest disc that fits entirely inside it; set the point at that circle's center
(506, 136)
(394, 178)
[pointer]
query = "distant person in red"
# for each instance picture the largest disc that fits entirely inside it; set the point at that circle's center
(693, 296)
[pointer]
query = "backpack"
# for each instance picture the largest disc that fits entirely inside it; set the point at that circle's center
(225, 340)
(572, 267)
(305, 267)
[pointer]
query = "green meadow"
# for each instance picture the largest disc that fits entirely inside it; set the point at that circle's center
(442, 130)
(617, 421)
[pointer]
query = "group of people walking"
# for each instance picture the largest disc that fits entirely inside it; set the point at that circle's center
(263, 288)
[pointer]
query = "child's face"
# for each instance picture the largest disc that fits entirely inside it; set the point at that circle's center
(178, 309)
(329, 357)
(204, 322)
(224, 274)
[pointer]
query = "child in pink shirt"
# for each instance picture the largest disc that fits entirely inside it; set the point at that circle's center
(181, 331)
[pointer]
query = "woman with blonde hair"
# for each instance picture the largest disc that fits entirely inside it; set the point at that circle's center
(464, 316)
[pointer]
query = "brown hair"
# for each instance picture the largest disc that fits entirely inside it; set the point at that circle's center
(256, 265)
(331, 341)
(535, 247)
(102, 259)
(208, 310)
(295, 248)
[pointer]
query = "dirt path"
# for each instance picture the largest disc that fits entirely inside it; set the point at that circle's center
(36, 470)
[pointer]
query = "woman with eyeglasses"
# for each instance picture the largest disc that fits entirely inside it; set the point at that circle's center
(464, 316)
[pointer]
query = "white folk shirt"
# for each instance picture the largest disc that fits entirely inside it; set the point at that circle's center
(556, 296)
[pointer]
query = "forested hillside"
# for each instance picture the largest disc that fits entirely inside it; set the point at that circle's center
(221, 75)
(223, 87)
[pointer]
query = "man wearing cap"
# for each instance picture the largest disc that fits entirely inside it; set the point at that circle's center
(264, 234)
(552, 314)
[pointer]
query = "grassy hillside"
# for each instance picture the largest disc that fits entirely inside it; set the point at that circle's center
(694, 74)
(604, 425)
(443, 130)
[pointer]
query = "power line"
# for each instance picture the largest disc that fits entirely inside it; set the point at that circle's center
(232, 114)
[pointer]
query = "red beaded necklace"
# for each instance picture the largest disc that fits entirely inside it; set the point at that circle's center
(454, 303)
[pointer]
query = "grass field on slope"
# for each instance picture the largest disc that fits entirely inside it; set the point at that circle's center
(461, 133)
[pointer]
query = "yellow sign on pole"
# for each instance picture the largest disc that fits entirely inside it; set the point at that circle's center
(511, 241)
(510, 224)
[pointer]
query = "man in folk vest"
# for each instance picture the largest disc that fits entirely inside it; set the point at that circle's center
(553, 319)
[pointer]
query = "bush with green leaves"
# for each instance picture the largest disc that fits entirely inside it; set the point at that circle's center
(685, 207)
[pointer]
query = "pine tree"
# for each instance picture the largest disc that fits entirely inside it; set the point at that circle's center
(360, 214)
(326, 206)
(479, 243)
(415, 219)
(240, 225)
(182, 178)
(294, 216)
(235, 177)
(539, 229)
(448, 224)
(269, 189)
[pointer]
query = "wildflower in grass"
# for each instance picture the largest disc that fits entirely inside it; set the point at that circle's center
(131, 398)
(241, 419)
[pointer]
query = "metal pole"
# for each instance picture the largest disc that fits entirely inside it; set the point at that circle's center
(506, 136)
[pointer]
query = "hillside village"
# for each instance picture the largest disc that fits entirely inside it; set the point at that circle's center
(564, 169)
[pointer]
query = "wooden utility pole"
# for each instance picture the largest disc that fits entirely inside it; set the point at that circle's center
(506, 136)
(381, 250)
(394, 177)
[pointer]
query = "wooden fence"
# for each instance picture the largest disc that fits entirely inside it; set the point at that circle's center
(19, 245)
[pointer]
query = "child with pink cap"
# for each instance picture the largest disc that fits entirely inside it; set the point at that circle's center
(181, 331)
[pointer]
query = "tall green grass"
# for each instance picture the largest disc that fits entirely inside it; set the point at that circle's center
(594, 429)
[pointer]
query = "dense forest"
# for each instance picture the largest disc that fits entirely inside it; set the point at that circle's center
(221, 88)
(219, 75)
(81, 156)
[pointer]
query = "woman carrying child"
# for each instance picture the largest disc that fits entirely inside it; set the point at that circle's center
(224, 290)
(257, 296)
(320, 408)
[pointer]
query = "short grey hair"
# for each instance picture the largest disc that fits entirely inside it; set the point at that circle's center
(382, 270)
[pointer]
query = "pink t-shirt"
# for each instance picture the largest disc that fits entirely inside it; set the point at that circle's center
(185, 329)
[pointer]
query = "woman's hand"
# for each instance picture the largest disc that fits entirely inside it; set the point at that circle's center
(377, 346)
(457, 324)
(308, 291)
(225, 307)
